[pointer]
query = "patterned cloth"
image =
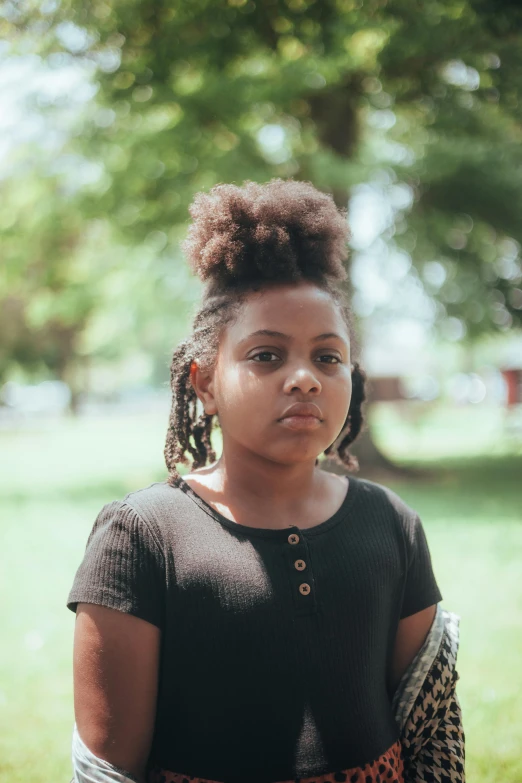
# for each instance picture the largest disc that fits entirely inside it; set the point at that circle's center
(426, 709)
(388, 768)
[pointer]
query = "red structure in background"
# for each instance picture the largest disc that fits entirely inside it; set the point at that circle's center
(513, 379)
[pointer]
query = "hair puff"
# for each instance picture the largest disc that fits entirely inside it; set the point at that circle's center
(283, 230)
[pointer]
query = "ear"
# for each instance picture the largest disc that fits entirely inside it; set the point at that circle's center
(203, 383)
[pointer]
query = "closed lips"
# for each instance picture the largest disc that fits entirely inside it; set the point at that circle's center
(303, 409)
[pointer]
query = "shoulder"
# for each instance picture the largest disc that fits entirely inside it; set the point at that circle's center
(377, 496)
(135, 517)
(160, 504)
(152, 490)
(378, 501)
(147, 500)
(124, 565)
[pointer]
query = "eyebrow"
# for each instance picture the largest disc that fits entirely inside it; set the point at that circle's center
(272, 333)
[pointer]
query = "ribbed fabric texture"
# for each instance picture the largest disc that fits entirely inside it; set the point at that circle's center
(276, 644)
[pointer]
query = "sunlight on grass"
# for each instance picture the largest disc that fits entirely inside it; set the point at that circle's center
(54, 478)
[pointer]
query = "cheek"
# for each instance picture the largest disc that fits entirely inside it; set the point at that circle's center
(341, 388)
(340, 406)
(240, 394)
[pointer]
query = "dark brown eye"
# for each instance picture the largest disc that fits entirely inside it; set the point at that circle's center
(329, 357)
(257, 356)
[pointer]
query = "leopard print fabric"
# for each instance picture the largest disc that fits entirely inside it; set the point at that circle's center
(388, 768)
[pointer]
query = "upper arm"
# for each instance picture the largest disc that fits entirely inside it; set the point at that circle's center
(115, 667)
(411, 635)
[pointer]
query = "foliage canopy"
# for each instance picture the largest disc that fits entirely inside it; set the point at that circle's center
(420, 96)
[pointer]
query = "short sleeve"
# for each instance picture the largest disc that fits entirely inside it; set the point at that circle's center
(421, 589)
(123, 566)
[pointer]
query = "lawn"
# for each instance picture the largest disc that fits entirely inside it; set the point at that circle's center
(55, 477)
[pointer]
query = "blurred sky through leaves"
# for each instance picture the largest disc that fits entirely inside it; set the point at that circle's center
(112, 117)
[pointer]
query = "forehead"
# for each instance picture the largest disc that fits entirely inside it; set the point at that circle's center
(298, 310)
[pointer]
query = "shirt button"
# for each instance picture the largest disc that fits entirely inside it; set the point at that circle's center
(293, 538)
(300, 565)
(304, 589)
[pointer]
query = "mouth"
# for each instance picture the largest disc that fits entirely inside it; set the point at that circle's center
(301, 423)
(303, 409)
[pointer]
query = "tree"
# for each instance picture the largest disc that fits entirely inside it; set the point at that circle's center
(336, 92)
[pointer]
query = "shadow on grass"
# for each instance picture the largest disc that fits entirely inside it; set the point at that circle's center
(484, 489)
(482, 470)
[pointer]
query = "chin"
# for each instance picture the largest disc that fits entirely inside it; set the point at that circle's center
(297, 456)
(300, 450)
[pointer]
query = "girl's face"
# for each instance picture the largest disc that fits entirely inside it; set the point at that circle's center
(288, 345)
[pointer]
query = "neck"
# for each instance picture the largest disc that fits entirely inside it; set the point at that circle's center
(254, 480)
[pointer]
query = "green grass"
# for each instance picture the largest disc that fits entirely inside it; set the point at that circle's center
(55, 478)
(471, 507)
(472, 517)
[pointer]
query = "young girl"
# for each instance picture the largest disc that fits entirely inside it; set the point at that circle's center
(250, 621)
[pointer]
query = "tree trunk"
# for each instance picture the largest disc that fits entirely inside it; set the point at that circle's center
(336, 116)
(369, 455)
(373, 464)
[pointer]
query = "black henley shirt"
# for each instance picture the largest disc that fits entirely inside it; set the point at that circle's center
(276, 644)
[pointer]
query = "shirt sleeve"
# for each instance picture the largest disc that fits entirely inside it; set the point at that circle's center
(421, 589)
(123, 566)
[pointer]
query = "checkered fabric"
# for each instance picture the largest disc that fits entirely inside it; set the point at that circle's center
(427, 709)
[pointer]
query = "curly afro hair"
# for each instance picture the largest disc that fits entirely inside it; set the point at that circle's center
(284, 230)
(241, 240)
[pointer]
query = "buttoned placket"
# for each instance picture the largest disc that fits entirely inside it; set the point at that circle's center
(298, 563)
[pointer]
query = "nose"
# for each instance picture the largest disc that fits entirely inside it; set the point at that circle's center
(302, 378)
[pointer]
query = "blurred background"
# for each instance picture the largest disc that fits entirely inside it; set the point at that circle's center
(112, 115)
